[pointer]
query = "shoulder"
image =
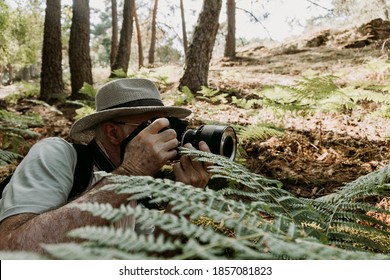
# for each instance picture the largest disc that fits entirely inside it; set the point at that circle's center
(50, 154)
(43, 179)
(54, 142)
(53, 146)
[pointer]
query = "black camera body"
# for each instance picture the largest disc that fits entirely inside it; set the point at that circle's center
(222, 140)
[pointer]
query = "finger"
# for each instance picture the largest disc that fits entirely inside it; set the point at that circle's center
(184, 172)
(157, 125)
(167, 135)
(205, 148)
(189, 162)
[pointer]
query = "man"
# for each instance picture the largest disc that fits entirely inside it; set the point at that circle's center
(33, 206)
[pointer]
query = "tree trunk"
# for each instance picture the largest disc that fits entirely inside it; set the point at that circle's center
(385, 9)
(123, 56)
(183, 27)
(153, 36)
(230, 44)
(52, 84)
(114, 36)
(200, 50)
(139, 40)
(79, 52)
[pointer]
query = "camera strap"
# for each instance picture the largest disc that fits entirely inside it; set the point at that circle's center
(88, 156)
(100, 158)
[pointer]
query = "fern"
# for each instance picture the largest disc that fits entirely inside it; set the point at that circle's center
(74, 251)
(246, 103)
(213, 96)
(258, 220)
(7, 157)
(88, 90)
(125, 240)
(314, 89)
(15, 128)
(22, 255)
(22, 121)
(317, 94)
(119, 73)
(84, 111)
(184, 97)
(372, 184)
(259, 132)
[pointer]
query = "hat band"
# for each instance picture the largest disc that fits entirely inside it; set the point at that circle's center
(137, 103)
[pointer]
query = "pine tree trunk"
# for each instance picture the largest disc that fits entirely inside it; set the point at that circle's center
(114, 36)
(139, 40)
(52, 84)
(123, 56)
(230, 44)
(152, 48)
(200, 50)
(385, 9)
(79, 52)
(183, 27)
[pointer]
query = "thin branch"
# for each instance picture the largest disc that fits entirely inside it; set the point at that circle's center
(320, 6)
(256, 20)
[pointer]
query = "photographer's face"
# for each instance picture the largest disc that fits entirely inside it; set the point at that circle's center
(130, 123)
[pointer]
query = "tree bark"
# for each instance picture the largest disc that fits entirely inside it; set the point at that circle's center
(139, 40)
(79, 52)
(200, 50)
(52, 84)
(183, 27)
(123, 56)
(114, 36)
(152, 48)
(230, 44)
(385, 9)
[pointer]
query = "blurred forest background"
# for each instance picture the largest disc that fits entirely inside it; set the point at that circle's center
(306, 85)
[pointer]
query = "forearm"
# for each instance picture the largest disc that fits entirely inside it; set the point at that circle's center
(27, 231)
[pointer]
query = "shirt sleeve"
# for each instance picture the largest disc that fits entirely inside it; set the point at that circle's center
(42, 181)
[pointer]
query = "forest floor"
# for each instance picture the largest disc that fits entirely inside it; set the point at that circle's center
(321, 152)
(318, 153)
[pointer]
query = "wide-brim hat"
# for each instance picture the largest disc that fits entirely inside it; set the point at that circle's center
(123, 97)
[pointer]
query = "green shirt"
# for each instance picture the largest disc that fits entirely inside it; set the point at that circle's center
(42, 181)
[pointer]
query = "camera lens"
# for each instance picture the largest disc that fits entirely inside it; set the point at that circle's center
(221, 140)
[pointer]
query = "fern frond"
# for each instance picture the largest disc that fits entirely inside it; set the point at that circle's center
(316, 88)
(7, 157)
(372, 184)
(20, 121)
(246, 103)
(268, 223)
(361, 94)
(85, 251)
(46, 105)
(88, 90)
(356, 241)
(259, 132)
(212, 95)
(125, 239)
(301, 249)
(20, 133)
(21, 255)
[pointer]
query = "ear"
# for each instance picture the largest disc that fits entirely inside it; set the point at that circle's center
(113, 133)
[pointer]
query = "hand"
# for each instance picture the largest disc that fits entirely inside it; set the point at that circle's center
(150, 149)
(189, 171)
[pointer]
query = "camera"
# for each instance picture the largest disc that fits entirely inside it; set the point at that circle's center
(221, 139)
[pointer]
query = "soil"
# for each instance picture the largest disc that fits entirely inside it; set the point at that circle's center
(318, 153)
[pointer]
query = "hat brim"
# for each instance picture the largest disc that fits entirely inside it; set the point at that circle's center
(83, 130)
